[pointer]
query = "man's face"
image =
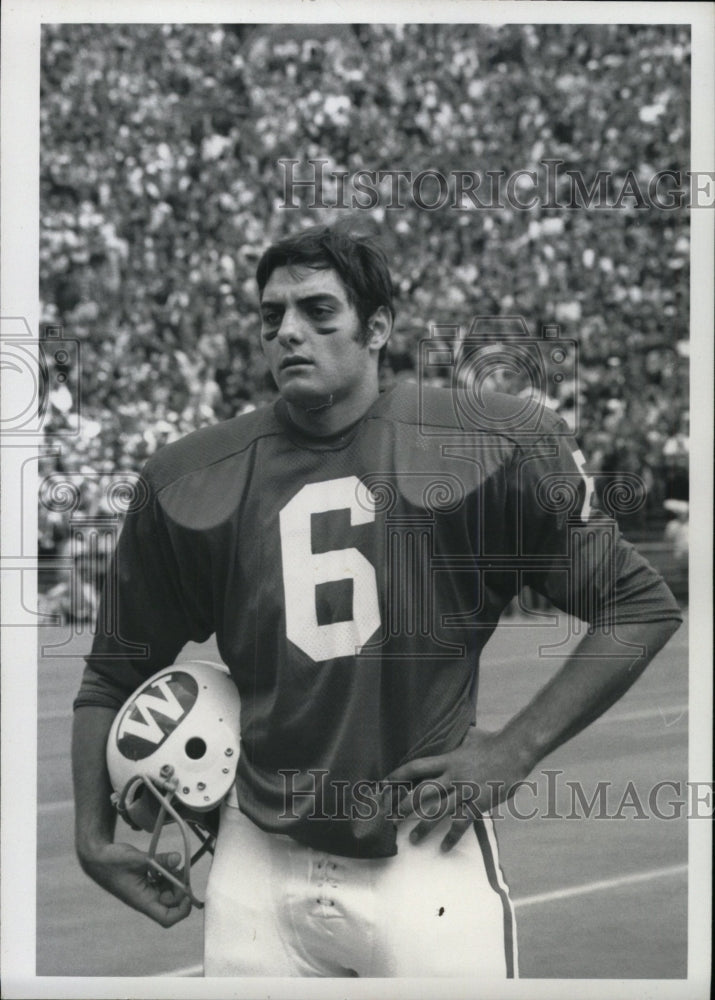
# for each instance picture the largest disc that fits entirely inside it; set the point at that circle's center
(308, 332)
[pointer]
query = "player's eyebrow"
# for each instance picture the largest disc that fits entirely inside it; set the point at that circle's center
(305, 300)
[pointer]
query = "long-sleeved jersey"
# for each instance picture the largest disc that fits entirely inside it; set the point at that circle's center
(352, 582)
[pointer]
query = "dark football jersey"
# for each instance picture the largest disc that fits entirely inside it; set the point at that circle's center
(352, 583)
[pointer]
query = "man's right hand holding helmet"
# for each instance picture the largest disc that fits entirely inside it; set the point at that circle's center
(119, 868)
(168, 755)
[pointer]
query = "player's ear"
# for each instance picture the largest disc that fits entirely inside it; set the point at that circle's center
(379, 328)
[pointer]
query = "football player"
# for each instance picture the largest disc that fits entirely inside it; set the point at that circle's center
(352, 551)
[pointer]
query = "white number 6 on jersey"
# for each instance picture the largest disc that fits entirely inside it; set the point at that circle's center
(303, 570)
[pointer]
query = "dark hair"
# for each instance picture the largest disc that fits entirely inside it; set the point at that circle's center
(360, 264)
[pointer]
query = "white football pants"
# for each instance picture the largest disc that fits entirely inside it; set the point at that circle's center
(277, 908)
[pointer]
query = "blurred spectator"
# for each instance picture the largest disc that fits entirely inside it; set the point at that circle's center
(676, 531)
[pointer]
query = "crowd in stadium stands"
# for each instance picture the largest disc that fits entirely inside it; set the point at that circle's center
(161, 183)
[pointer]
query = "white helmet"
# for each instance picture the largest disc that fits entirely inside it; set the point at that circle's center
(172, 754)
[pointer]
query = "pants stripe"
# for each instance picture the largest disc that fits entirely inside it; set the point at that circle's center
(487, 841)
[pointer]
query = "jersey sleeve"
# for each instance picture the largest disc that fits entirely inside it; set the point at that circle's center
(146, 613)
(571, 549)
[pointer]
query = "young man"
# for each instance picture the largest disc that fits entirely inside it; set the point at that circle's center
(352, 552)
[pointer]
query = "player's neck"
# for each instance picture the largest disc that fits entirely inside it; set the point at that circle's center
(332, 416)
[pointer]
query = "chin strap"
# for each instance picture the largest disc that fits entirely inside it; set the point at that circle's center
(208, 840)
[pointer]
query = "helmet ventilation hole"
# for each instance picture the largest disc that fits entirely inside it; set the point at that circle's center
(195, 748)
